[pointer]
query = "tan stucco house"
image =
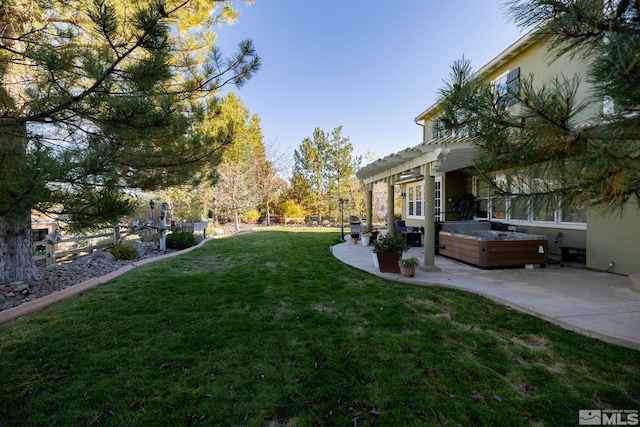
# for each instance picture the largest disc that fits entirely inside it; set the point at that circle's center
(430, 174)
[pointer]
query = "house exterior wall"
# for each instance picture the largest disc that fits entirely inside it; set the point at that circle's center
(614, 237)
(537, 61)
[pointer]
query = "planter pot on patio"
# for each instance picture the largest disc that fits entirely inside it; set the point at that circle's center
(408, 271)
(365, 240)
(388, 261)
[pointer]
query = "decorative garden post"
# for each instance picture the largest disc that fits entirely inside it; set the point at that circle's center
(163, 226)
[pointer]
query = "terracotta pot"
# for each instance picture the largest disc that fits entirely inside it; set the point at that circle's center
(388, 261)
(354, 240)
(408, 271)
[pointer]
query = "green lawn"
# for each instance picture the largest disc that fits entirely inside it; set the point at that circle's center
(268, 328)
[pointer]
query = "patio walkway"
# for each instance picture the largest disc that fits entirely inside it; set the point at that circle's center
(594, 303)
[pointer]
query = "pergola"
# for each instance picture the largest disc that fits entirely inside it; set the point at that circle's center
(426, 160)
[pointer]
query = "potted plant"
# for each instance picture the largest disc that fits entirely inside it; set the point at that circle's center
(465, 206)
(389, 250)
(366, 235)
(374, 234)
(408, 266)
(354, 237)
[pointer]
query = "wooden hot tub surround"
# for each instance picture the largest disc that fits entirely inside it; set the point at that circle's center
(492, 248)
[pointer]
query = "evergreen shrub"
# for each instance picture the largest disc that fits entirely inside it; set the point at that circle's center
(123, 251)
(180, 239)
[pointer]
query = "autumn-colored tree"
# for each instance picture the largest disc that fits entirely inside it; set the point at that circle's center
(269, 184)
(236, 189)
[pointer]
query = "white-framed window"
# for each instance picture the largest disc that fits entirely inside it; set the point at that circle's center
(500, 86)
(481, 192)
(437, 129)
(498, 205)
(572, 215)
(511, 210)
(438, 198)
(415, 200)
(411, 204)
(506, 88)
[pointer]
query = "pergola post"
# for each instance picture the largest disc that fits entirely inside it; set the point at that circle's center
(391, 181)
(429, 220)
(369, 206)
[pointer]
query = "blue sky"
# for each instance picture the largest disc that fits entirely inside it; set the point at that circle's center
(370, 66)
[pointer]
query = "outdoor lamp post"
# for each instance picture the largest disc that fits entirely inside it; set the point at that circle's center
(342, 202)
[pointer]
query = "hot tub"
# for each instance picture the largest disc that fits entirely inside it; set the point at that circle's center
(493, 248)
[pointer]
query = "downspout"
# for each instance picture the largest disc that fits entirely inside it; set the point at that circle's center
(421, 125)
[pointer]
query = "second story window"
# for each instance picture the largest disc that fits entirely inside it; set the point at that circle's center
(507, 88)
(437, 129)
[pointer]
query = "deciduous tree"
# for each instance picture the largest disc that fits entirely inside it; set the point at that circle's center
(236, 188)
(270, 185)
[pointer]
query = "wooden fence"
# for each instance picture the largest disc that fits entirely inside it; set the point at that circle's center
(194, 227)
(52, 242)
(47, 237)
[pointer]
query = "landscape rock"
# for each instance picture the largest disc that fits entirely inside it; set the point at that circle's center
(102, 256)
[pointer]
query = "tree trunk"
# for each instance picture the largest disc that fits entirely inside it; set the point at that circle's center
(236, 219)
(268, 214)
(17, 263)
(214, 216)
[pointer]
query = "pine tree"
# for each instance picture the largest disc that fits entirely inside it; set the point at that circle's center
(97, 97)
(323, 169)
(309, 178)
(553, 157)
(342, 167)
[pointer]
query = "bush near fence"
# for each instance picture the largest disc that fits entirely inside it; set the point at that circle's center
(56, 248)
